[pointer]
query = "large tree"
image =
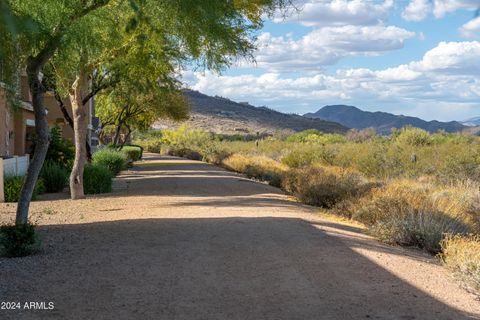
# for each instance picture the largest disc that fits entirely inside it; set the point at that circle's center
(212, 33)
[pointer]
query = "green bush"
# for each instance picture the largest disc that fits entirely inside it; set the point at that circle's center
(115, 161)
(413, 137)
(54, 176)
(133, 153)
(302, 157)
(317, 137)
(97, 179)
(13, 185)
(18, 240)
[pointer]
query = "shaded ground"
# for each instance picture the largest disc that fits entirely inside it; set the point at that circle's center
(185, 240)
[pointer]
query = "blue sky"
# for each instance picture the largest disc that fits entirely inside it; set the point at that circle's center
(412, 57)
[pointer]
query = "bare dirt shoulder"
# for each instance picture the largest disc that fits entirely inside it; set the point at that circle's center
(180, 239)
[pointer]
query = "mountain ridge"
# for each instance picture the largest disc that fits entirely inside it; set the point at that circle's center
(222, 115)
(383, 122)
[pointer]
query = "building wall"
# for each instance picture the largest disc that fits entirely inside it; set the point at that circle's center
(24, 131)
(55, 115)
(17, 126)
(6, 126)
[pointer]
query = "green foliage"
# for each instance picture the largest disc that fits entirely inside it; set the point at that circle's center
(316, 137)
(13, 185)
(304, 156)
(413, 137)
(18, 240)
(97, 179)
(133, 153)
(54, 176)
(60, 151)
(113, 160)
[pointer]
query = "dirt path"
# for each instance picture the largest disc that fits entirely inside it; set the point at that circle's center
(185, 240)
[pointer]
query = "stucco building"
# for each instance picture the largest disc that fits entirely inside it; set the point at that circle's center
(17, 123)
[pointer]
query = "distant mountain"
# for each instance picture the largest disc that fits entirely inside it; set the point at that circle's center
(222, 115)
(472, 122)
(383, 122)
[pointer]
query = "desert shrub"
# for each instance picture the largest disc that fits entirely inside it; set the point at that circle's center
(317, 137)
(151, 145)
(260, 168)
(215, 154)
(460, 166)
(363, 135)
(404, 212)
(97, 179)
(13, 185)
(420, 227)
(323, 186)
(461, 199)
(115, 161)
(18, 240)
(301, 157)
(413, 137)
(133, 153)
(462, 255)
(54, 176)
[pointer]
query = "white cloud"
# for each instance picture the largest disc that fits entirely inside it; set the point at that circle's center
(325, 46)
(471, 28)
(447, 76)
(339, 13)
(417, 10)
(443, 7)
(451, 57)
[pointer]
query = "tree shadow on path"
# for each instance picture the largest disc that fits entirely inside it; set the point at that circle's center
(225, 268)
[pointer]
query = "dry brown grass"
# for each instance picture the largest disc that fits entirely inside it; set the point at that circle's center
(411, 213)
(257, 167)
(462, 254)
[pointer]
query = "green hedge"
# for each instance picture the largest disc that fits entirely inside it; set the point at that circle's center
(115, 161)
(97, 179)
(133, 153)
(54, 176)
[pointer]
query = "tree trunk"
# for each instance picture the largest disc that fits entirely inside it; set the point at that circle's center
(80, 132)
(69, 120)
(41, 148)
(116, 138)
